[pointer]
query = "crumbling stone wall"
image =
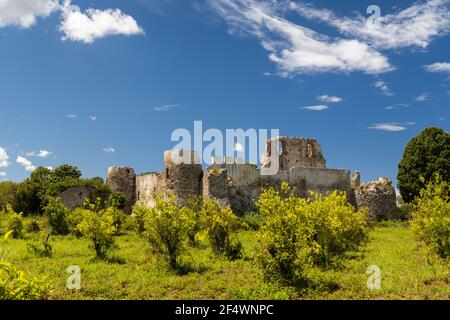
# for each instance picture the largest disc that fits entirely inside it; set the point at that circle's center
(216, 185)
(123, 179)
(147, 185)
(75, 197)
(379, 198)
(296, 152)
(183, 180)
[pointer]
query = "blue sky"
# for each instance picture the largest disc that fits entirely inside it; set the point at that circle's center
(94, 86)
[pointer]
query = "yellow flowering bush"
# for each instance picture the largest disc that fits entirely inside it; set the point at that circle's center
(431, 216)
(99, 227)
(219, 223)
(298, 233)
(165, 227)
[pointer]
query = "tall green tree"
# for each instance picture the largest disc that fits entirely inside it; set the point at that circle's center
(425, 155)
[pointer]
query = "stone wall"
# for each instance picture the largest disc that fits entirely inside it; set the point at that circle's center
(75, 197)
(295, 152)
(123, 179)
(379, 198)
(216, 186)
(146, 185)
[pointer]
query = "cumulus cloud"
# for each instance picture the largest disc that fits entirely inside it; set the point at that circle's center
(166, 107)
(3, 174)
(238, 147)
(92, 118)
(415, 26)
(384, 88)
(316, 108)
(40, 154)
(25, 163)
(293, 47)
(109, 150)
(443, 67)
(3, 158)
(71, 116)
(94, 24)
(329, 99)
(24, 13)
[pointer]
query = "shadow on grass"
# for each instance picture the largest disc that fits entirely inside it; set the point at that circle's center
(186, 267)
(113, 259)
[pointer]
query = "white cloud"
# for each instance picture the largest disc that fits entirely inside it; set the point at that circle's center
(392, 127)
(25, 163)
(3, 174)
(423, 97)
(72, 116)
(293, 47)
(92, 118)
(166, 107)
(95, 24)
(3, 158)
(40, 154)
(109, 150)
(330, 99)
(24, 13)
(397, 106)
(415, 26)
(239, 147)
(316, 108)
(384, 88)
(438, 67)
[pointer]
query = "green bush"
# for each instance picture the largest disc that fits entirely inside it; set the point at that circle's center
(252, 221)
(166, 226)
(14, 285)
(219, 223)
(431, 216)
(99, 228)
(57, 215)
(14, 223)
(299, 233)
(138, 215)
(32, 225)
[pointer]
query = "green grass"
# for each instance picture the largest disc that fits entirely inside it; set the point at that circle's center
(408, 272)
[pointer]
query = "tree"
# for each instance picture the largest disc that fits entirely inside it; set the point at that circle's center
(7, 190)
(425, 155)
(66, 171)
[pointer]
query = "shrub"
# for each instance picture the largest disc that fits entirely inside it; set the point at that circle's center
(138, 214)
(14, 223)
(300, 232)
(431, 216)
(194, 210)
(14, 285)
(166, 225)
(118, 200)
(252, 221)
(32, 225)
(57, 215)
(99, 228)
(43, 247)
(219, 223)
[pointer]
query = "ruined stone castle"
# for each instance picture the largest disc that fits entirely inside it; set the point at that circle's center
(236, 184)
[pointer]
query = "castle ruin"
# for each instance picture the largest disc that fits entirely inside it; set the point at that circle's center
(236, 184)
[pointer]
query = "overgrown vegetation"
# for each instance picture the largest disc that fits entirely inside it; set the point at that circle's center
(431, 216)
(425, 155)
(300, 232)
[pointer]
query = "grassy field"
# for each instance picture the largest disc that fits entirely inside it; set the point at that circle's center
(407, 271)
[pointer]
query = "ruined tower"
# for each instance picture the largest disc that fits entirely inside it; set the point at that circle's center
(123, 179)
(296, 152)
(182, 174)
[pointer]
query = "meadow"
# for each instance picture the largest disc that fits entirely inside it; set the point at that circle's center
(408, 270)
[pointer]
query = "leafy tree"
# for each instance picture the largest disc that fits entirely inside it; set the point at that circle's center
(66, 171)
(7, 190)
(425, 155)
(26, 198)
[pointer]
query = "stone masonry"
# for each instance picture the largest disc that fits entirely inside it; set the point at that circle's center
(238, 185)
